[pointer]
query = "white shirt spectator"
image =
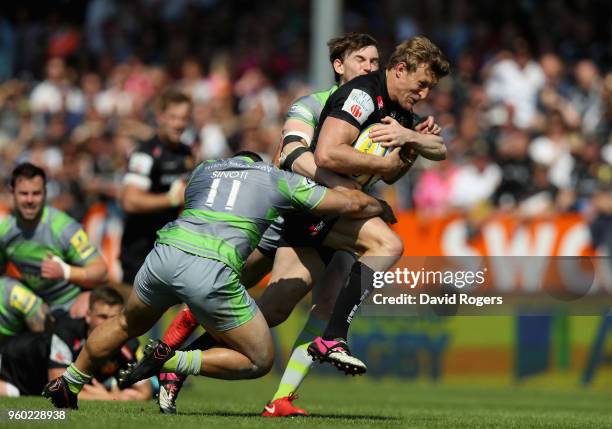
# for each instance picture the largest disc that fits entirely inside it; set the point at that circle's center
(555, 155)
(214, 144)
(114, 101)
(48, 97)
(472, 185)
(518, 87)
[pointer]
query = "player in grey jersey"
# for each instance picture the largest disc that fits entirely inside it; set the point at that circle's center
(197, 260)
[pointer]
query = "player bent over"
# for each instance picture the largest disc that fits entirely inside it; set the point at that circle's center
(197, 260)
(351, 55)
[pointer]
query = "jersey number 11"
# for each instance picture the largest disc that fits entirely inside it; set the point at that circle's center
(231, 199)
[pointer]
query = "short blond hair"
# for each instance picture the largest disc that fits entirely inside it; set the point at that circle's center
(420, 50)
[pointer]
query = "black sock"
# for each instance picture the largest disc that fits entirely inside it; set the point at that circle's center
(349, 299)
(203, 342)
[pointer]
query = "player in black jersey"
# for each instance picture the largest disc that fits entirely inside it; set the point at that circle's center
(31, 359)
(155, 182)
(386, 97)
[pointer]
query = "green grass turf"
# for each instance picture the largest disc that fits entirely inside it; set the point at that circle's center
(351, 402)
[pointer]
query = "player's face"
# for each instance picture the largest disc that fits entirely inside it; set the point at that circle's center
(29, 197)
(413, 86)
(173, 121)
(358, 63)
(100, 313)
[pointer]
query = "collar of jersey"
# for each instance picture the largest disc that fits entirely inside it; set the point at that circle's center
(246, 159)
(391, 105)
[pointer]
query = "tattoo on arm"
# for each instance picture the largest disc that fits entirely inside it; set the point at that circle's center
(36, 322)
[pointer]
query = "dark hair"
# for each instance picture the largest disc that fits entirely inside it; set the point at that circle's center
(247, 153)
(29, 171)
(341, 47)
(105, 295)
(420, 50)
(171, 96)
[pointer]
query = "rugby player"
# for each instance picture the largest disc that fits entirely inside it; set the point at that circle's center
(154, 185)
(386, 97)
(44, 248)
(22, 309)
(197, 259)
(30, 360)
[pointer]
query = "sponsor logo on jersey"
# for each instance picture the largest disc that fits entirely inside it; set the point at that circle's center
(314, 230)
(140, 163)
(21, 299)
(359, 105)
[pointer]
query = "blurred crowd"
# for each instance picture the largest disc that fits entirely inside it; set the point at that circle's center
(526, 113)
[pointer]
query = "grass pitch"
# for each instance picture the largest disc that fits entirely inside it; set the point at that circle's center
(351, 402)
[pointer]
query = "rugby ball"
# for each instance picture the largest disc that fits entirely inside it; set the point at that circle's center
(364, 144)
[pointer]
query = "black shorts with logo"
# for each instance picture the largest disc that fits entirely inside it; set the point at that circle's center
(303, 230)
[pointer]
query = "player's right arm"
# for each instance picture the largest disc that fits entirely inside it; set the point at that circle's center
(335, 152)
(135, 196)
(304, 194)
(351, 203)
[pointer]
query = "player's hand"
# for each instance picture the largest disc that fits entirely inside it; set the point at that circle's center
(391, 133)
(428, 126)
(96, 390)
(395, 163)
(176, 194)
(80, 306)
(52, 268)
(387, 214)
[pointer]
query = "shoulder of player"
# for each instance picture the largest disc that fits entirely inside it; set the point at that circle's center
(368, 83)
(146, 146)
(58, 216)
(59, 221)
(69, 329)
(184, 149)
(6, 224)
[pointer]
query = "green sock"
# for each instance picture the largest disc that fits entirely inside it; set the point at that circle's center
(300, 362)
(184, 363)
(75, 379)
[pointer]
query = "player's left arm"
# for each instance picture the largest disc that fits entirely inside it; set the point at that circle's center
(80, 264)
(38, 319)
(297, 157)
(425, 140)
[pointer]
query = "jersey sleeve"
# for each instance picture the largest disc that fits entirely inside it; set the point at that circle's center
(299, 192)
(305, 109)
(21, 300)
(76, 246)
(140, 167)
(353, 105)
(4, 228)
